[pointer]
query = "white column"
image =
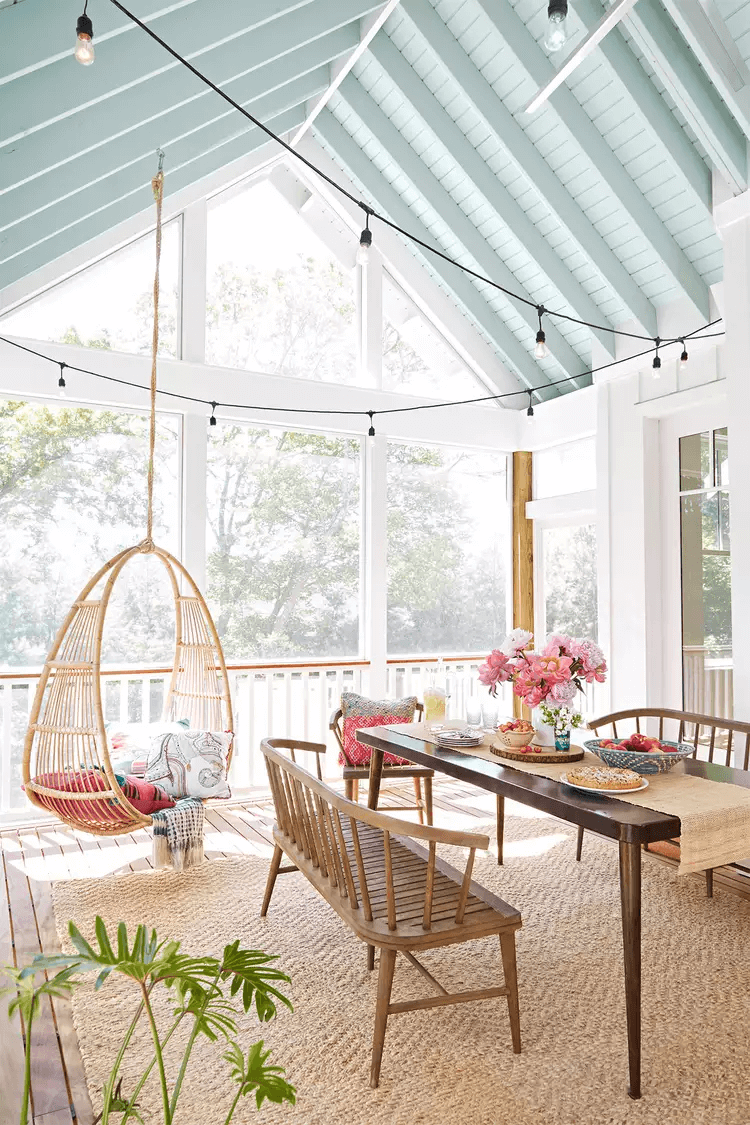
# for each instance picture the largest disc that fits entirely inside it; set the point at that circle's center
(371, 318)
(733, 222)
(194, 464)
(194, 282)
(376, 560)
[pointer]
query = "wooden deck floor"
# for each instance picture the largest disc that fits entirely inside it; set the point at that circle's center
(34, 857)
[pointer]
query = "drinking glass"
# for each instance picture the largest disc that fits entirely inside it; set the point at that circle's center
(489, 715)
(473, 713)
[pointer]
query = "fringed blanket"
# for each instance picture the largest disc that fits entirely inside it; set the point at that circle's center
(178, 835)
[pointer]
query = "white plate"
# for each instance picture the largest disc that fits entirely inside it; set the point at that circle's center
(610, 792)
(460, 741)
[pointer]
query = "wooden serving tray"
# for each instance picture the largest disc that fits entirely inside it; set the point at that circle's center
(547, 755)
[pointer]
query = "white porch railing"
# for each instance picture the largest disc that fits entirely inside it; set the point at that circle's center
(292, 699)
(708, 680)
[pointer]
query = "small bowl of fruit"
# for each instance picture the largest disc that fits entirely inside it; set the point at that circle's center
(640, 753)
(516, 733)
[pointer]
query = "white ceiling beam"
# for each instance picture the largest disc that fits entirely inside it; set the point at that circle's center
(698, 99)
(460, 150)
(607, 22)
(369, 27)
(529, 161)
(583, 132)
(348, 152)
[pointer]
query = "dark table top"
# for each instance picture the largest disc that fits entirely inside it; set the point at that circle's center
(606, 815)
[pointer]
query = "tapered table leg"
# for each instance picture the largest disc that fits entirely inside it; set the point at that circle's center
(630, 897)
(376, 773)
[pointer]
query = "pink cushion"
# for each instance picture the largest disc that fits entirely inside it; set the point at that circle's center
(145, 796)
(95, 781)
(359, 755)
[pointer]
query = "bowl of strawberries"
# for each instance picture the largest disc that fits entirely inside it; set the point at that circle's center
(516, 733)
(640, 752)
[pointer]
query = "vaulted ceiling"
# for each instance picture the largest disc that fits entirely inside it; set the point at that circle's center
(598, 205)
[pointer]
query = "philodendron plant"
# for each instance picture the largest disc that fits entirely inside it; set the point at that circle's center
(206, 991)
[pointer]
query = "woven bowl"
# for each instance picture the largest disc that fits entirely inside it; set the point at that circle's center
(639, 762)
(515, 739)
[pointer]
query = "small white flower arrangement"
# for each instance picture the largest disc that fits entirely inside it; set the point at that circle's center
(562, 719)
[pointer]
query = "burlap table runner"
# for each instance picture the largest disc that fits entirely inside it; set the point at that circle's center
(715, 817)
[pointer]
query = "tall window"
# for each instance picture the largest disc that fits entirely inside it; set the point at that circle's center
(416, 358)
(284, 542)
(447, 548)
(706, 573)
(110, 304)
(569, 580)
(278, 300)
(73, 493)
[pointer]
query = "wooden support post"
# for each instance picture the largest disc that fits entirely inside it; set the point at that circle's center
(523, 554)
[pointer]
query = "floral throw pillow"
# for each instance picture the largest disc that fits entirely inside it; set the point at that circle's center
(190, 764)
(358, 713)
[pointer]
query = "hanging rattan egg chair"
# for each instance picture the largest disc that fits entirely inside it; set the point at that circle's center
(66, 763)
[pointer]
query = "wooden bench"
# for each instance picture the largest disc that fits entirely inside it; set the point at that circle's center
(712, 738)
(390, 891)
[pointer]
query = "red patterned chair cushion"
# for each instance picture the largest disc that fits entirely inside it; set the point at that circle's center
(358, 713)
(144, 797)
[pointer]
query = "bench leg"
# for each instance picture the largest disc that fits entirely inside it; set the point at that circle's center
(710, 882)
(508, 951)
(385, 983)
(579, 844)
(370, 958)
(500, 826)
(428, 799)
(418, 794)
(270, 882)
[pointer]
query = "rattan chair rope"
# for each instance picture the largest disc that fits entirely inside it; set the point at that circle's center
(66, 763)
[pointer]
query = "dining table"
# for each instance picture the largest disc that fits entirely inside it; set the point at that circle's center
(631, 825)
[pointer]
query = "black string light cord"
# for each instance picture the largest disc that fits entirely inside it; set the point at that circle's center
(371, 212)
(698, 334)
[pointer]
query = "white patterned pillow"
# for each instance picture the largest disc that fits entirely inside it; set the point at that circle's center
(190, 764)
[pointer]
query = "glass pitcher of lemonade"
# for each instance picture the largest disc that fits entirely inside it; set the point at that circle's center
(436, 697)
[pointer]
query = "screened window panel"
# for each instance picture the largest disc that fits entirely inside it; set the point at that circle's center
(109, 305)
(72, 494)
(284, 529)
(570, 581)
(448, 535)
(279, 301)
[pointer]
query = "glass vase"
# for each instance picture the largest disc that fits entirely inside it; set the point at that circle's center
(562, 741)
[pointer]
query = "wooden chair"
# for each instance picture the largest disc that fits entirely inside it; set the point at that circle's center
(713, 739)
(389, 890)
(353, 774)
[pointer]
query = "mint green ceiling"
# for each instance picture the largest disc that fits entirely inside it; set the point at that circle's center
(598, 205)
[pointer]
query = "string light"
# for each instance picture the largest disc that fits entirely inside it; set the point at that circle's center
(61, 381)
(212, 419)
(84, 51)
(557, 35)
(657, 358)
(365, 242)
(371, 431)
(530, 408)
(541, 351)
(683, 357)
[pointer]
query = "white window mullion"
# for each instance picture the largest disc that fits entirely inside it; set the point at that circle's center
(194, 225)
(376, 559)
(194, 470)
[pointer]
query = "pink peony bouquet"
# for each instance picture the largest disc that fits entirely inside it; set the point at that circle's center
(555, 674)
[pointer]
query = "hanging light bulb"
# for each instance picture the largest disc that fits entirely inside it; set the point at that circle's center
(212, 419)
(557, 35)
(656, 365)
(365, 242)
(371, 431)
(683, 357)
(84, 51)
(541, 351)
(61, 381)
(530, 407)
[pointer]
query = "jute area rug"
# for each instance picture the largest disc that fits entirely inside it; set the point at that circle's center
(454, 1066)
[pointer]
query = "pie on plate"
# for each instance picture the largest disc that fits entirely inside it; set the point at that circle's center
(604, 777)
